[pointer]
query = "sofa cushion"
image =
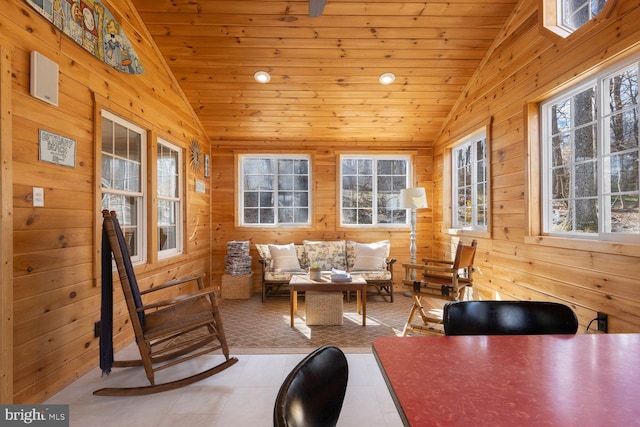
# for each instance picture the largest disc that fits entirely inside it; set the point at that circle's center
(371, 256)
(373, 275)
(284, 258)
(328, 254)
(278, 276)
(263, 251)
(302, 257)
(367, 256)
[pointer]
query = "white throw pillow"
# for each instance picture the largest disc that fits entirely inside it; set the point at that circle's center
(284, 258)
(371, 256)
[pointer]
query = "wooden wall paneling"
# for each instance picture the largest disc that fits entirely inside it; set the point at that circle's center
(6, 228)
(325, 205)
(571, 258)
(605, 284)
(35, 382)
(54, 267)
(524, 65)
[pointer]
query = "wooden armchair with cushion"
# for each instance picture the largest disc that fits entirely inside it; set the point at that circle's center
(437, 278)
(168, 329)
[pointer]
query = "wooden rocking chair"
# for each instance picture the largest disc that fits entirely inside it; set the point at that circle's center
(168, 331)
(438, 278)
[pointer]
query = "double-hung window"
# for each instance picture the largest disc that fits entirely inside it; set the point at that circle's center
(275, 190)
(123, 179)
(169, 166)
(370, 189)
(590, 154)
(470, 183)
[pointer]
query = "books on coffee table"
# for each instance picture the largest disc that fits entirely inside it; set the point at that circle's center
(340, 275)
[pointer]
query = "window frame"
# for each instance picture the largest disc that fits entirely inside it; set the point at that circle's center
(598, 82)
(470, 141)
(447, 180)
(551, 19)
(179, 200)
(241, 190)
(141, 217)
(374, 158)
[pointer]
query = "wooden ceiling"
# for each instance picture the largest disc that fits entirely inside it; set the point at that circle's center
(324, 70)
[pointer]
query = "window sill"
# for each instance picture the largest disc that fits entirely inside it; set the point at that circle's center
(614, 248)
(265, 227)
(470, 233)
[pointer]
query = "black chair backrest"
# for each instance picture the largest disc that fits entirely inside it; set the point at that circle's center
(508, 318)
(313, 392)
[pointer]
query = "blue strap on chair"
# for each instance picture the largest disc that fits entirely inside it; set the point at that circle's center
(106, 309)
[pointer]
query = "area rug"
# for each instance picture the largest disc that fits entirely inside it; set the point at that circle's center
(265, 327)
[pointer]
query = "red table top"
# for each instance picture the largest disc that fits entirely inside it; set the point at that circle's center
(542, 380)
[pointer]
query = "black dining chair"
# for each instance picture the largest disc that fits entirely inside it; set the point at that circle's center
(313, 392)
(508, 318)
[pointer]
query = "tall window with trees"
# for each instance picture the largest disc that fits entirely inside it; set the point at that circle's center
(274, 190)
(370, 190)
(470, 183)
(169, 170)
(591, 184)
(123, 179)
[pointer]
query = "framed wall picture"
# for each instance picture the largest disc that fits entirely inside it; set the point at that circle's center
(57, 149)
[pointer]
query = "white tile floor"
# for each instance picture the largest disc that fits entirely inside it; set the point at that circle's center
(242, 395)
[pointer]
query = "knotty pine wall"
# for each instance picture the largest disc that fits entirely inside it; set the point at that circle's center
(56, 278)
(325, 187)
(525, 66)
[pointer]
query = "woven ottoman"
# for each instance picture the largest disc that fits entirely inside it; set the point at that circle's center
(323, 308)
(236, 286)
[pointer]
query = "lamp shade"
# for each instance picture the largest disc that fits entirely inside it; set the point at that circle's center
(413, 198)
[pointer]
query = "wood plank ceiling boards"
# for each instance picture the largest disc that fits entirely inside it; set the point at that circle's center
(324, 69)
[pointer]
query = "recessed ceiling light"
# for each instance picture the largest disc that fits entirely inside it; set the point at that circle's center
(387, 78)
(262, 77)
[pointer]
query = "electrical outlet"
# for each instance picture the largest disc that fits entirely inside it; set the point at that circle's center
(603, 322)
(96, 329)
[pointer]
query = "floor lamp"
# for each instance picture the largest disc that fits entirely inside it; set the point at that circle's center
(413, 198)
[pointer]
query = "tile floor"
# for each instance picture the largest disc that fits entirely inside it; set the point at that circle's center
(242, 395)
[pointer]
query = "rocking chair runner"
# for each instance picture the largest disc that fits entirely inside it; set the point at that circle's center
(167, 332)
(445, 279)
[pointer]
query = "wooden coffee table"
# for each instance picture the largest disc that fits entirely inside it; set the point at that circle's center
(300, 282)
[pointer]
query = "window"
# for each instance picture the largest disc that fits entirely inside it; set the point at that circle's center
(274, 190)
(469, 180)
(590, 154)
(565, 17)
(370, 190)
(575, 13)
(169, 163)
(123, 179)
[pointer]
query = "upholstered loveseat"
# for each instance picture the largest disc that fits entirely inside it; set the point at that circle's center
(369, 260)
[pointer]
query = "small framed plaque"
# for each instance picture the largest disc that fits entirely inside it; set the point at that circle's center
(57, 149)
(200, 186)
